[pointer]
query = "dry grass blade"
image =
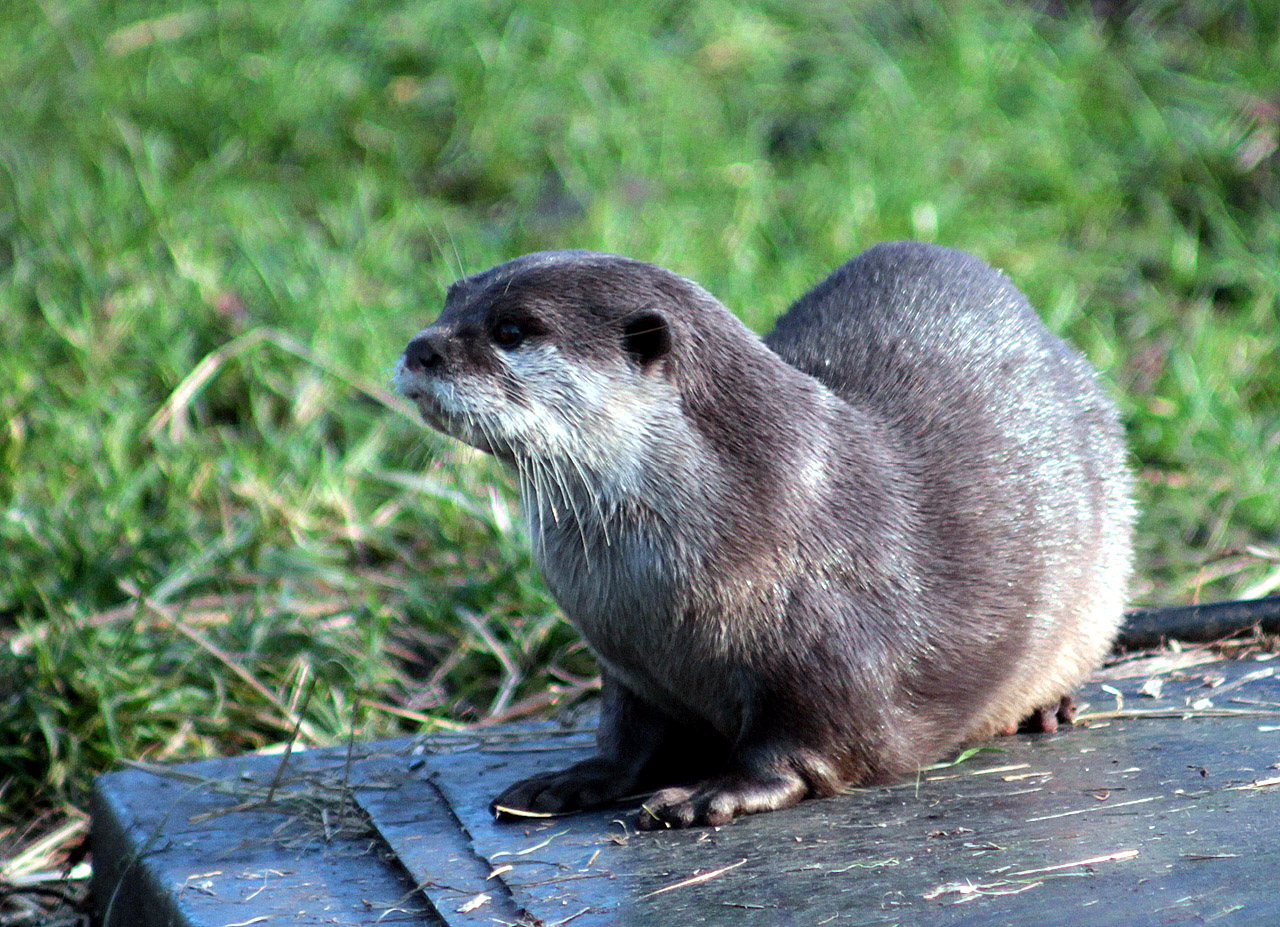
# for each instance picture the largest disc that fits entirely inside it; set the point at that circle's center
(511, 675)
(1182, 713)
(45, 880)
(47, 852)
(527, 850)
(172, 413)
(521, 813)
(288, 747)
(553, 697)
(1256, 784)
(1142, 665)
(1110, 857)
(170, 618)
(971, 890)
(694, 880)
(1095, 808)
(310, 798)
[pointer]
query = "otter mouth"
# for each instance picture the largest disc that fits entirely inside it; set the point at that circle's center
(426, 395)
(459, 429)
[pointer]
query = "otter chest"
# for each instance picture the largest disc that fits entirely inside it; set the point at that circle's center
(630, 604)
(612, 589)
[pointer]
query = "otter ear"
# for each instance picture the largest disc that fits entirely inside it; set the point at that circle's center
(646, 337)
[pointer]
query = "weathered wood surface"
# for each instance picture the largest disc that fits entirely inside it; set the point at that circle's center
(158, 860)
(1175, 814)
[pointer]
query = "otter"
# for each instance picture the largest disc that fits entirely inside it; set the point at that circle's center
(898, 524)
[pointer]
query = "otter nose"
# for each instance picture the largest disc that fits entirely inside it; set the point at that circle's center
(422, 354)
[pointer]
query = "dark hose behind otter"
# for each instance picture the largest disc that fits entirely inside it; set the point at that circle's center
(899, 523)
(1203, 623)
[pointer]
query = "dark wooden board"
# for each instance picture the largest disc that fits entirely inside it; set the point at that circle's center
(1169, 810)
(154, 867)
(1170, 798)
(424, 833)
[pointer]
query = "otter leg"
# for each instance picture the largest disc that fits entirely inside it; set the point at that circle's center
(1046, 720)
(633, 740)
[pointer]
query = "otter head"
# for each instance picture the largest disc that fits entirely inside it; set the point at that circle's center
(556, 355)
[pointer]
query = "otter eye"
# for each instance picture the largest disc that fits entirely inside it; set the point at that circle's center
(508, 335)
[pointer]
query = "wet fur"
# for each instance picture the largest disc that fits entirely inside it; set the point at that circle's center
(899, 523)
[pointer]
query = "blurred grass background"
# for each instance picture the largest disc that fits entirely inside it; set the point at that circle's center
(220, 222)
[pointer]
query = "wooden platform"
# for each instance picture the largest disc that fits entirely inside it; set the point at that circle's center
(1167, 817)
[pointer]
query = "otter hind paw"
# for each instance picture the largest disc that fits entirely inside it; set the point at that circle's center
(1047, 719)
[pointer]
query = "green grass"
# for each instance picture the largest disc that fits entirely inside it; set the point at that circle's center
(220, 222)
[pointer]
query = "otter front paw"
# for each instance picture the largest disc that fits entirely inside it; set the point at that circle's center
(720, 800)
(588, 784)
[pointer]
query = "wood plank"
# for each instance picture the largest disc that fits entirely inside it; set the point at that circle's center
(1122, 820)
(160, 860)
